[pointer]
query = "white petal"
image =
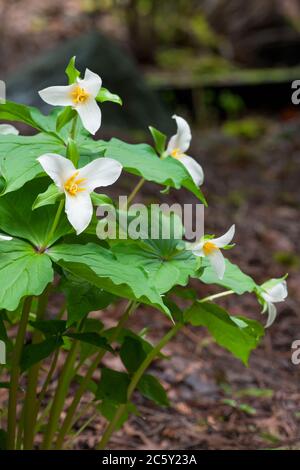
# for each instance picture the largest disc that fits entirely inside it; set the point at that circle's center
(91, 83)
(57, 95)
(90, 115)
(60, 169)
(194, 169)
(6, 129)
(100, 172)
(226, 238)
(79, 210)
(182, 139)
(218, 263)
(278, 292)
(272, 312)
(5, 237)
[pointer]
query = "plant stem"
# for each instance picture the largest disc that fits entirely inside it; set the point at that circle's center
(134, 382)
(135, 191)
(73, 128)
(130, 308)
(60, 395)
(48, 378)
(15, 375)
(216, 296)
(31, 404)
(55, 222)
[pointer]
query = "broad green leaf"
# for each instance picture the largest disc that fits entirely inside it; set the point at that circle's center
(95, 326)
(142, 160)
(113, 386)
(48, 197)
(71, 71)
(10, 111)
(101, 199)
(159, 140)
(91, 338)
(237, 334)
(33, 353)
(64, 117)
(132, 354)
(150, 387)
(73, 152)
(50, 327)
(18, 157)
(18, 219)
(23, 272)
(99, 267)
(234, 279)
(105, 95)
(83, 298)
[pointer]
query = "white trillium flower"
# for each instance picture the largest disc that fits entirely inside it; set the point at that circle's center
(77, 184)
(81, 95)
(6, 129)
(273, 291)
(5, 237)
(210, 248)
(179, 144)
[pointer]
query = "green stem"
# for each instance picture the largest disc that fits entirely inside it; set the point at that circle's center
(131, 307)
(15, 375)
(73, 128)
(134, 382)
(48, 378)
(135, 191)
(55, 222)
(31, 404)
(216, 296)
(60, 395)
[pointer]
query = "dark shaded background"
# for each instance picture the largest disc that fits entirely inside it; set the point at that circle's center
(227, 66)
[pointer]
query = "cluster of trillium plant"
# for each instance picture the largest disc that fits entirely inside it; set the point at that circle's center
(48, 244)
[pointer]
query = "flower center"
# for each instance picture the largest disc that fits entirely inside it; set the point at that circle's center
(176, 153)
(79, 95)
(209, 248)
(72, 185)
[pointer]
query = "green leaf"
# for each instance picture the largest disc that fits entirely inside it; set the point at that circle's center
(83, 298)
(64, 117)
(71, 71)
(113, 386)
(105, 95)
(238, 335)
(150, 387)
(159, 140)
(50, 327)
(132, 354)
(18, 157)
(92, 338)
(101, 199)
(108, 409)
(95, 326)
(50, 196)
(142, 160)
(234, 279)
(10, 111)
(163, 258)
(18, 219)
(34, 353)
(99, 267)
(23, 272)
(72, 152)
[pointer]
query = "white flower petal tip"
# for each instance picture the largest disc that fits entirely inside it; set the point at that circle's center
(225, 239)
(77, 184)
(273, 291)
(7, 129)
(81, 96)
(5, 237)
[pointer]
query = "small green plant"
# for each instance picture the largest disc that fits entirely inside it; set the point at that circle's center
(50, 241)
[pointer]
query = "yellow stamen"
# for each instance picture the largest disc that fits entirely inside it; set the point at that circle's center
(79, 95)
(209, 248)
(176, 153)
(72, 185)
